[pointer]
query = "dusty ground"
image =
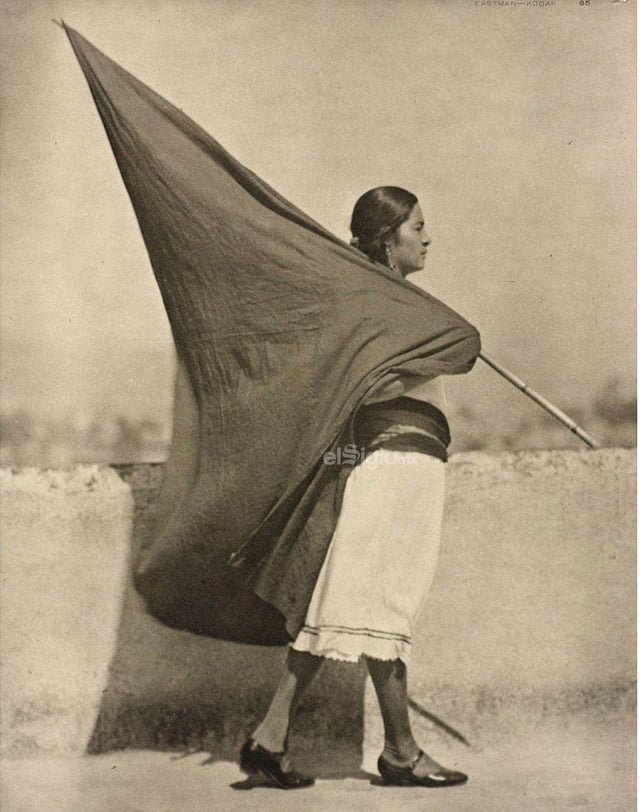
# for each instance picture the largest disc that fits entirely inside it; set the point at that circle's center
(553, 771)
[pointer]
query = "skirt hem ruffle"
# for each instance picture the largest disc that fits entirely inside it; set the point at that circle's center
(350, 648)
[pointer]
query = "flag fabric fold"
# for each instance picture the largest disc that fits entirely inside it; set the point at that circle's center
(281, 331)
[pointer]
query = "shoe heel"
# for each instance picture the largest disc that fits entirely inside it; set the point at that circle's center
(386, 772)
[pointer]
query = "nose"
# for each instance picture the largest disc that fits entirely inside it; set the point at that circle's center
(426, 239)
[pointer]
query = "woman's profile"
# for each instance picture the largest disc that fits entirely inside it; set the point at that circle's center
(382, 556)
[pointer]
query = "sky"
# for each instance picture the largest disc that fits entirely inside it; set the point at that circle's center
(515, 126)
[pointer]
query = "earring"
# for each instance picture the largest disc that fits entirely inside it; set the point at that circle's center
(390, 262)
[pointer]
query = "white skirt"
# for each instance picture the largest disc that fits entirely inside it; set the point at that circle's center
(381, 560)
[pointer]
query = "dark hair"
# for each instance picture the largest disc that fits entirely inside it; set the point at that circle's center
(376, 216)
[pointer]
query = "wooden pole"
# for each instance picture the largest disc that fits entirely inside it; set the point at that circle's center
(549, 407)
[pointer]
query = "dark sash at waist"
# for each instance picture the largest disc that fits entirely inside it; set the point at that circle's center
(403, 424)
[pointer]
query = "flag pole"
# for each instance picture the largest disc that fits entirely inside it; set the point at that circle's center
(537, 398)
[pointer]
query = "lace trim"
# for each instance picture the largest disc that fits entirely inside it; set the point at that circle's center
(348, 645)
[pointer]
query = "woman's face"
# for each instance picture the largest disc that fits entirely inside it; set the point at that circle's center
(408, 247)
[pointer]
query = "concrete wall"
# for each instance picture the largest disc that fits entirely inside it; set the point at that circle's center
(531, 621)
(63, 563)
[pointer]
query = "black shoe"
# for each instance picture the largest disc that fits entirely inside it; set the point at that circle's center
(405, 776)
(255, 759)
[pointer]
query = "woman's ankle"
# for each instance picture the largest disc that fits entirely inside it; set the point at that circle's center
(400, 753)
(270, 740)
(413, 757)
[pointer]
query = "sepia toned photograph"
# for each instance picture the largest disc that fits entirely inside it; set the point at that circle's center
(318, 405)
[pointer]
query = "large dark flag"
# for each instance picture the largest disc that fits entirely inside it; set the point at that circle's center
(281, 331)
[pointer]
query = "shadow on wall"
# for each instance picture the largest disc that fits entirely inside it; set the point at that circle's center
(176, 691)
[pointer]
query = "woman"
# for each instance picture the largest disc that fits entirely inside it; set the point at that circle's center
(249, 539)
(388, 533)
